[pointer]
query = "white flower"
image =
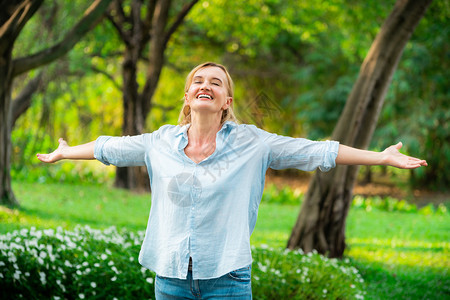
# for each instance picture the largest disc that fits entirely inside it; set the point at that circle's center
(104, 256)
(2, 264)
(81, 296)
(110, 263)
(108, 252)
(43, 280)
(96, 265)
(352, 286)
(93, 284)
(149, 280)
(114, 278)
(17, 275)
(324, 291)
(56, 298)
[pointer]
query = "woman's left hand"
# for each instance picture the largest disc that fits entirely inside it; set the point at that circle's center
(394, 158)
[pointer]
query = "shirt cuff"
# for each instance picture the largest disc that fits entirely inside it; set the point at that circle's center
(98, 149)
(331, 153)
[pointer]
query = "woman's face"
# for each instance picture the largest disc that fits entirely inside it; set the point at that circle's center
(208, 91)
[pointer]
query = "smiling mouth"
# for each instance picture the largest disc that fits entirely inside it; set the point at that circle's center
(204, 96)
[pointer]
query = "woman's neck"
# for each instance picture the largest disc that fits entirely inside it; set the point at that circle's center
(203, 129)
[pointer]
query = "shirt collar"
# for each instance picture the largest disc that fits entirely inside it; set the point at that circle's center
(182, 132)
(183, 129)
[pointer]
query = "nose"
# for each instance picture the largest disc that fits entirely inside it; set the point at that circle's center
(205, 85)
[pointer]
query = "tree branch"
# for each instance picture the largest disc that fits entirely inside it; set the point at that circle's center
(179, 20)
(107, 75)
(91, 16)
(23, 101)
(12, 25)
(118, 21)
(147, 23)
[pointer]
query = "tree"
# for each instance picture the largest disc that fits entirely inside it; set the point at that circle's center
(14, 16)
(142, 27)
(321, 222)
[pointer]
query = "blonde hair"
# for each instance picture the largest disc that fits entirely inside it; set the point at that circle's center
(227, 114)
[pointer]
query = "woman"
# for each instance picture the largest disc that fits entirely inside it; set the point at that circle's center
(207, 177)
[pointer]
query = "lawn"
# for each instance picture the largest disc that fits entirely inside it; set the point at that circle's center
(400, 255)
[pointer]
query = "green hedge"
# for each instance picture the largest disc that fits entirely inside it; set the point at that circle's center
(92, 264)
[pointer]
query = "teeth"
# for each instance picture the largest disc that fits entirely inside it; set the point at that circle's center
(205, 96)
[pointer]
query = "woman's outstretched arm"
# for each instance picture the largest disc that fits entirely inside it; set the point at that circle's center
(389, 157)
(64, 151)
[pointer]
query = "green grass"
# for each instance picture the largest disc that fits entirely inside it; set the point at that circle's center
(400, 255)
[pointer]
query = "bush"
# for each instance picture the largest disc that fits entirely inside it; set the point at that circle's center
(93, 264)
(84, 263)
(392, 204)
(285, 195)
(291, 196)
(284, 274)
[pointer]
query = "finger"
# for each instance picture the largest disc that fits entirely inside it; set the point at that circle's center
(43, 157)
(399, 145)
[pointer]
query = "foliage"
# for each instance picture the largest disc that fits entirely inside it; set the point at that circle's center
(300, 57)
(291, 196)
(284, 274)
(399, 255)
(417, 109)
(95, 264)
(391, 204)
(84, 263)
(284, 195)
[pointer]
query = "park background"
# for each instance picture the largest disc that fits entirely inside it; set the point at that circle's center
(294, 65)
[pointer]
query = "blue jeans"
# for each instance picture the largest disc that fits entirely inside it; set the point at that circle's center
(234, 285)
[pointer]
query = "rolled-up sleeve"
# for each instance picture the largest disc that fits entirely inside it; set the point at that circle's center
(123, 151)
(299, 153)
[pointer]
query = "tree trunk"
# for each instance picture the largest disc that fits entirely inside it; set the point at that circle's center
(153, 28)
(6, 193)
(321, 222)
(12, 21)
(14, 16)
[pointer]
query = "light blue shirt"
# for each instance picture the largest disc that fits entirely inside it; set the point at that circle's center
(207, 210)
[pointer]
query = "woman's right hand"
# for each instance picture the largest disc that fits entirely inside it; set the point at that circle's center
(55, 155)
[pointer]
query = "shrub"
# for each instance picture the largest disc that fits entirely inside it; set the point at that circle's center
(84, 263)
(284, 195)
(284, 274)
(292, 196)
(392, 204)
(91, 264)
